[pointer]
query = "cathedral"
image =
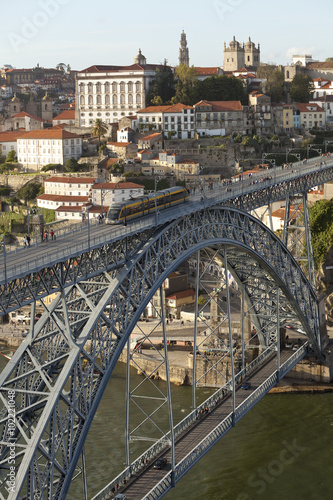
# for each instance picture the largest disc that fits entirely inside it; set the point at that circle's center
(238, 56)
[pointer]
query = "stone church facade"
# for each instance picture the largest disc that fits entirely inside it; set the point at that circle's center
(111, 92)
(237, 56)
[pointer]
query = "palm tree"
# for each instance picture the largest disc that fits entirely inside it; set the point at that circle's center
(99, 128)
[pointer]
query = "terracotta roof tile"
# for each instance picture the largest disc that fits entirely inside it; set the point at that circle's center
(68, 114)
(23, 114)
(72, 180)
(51, 133)
(117, 185)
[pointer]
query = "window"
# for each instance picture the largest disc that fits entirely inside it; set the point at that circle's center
(107, 99)
(114, 87)
(122, 87)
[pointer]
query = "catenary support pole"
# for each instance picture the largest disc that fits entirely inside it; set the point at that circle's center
(230, 336)
(166, 361)
(195, 337)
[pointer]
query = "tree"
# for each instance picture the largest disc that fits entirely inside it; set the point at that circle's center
(11, 157)
(273, 85)
(52, 166)
(221, 88)
(301, 88)
(162, 88)
(29, 192)
(186, 85)
(5, 168)
(72, 165)
(100, 128)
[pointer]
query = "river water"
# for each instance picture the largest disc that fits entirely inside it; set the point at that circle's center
(281, 450)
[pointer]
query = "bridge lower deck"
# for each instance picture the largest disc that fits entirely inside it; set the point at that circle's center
(142, 483)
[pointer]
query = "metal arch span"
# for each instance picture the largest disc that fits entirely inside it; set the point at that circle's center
(60, 372)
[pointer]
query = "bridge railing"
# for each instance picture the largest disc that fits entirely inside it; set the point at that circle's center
(162, 444)
(203, 446)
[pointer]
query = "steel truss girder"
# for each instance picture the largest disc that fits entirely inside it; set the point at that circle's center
(60, 373)
(42, 281)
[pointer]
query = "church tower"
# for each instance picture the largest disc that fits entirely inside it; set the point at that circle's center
(140, 59)
(184, 57)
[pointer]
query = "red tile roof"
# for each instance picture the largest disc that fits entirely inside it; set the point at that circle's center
(11, 136)
(72, 180)
(151, 137)
(133, 67)
(117, 185)
(221, 105)
(207, 71)
(23, 114)
(175, 108)
(68, 114)
(181, 295)
(51, 133)
(306, 107)
(119, 144)
(62, 198)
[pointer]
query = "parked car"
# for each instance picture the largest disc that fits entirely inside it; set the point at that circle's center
(160, 463)
(246, 386)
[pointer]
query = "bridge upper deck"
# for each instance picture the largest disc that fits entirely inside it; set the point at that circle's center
(246, 193)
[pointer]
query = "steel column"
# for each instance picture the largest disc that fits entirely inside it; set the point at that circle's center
(231, 347)
(196, 312)
(167, 370)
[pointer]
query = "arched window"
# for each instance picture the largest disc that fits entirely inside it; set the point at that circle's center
(107, 87)
(90, 88)
(114, 87)
(122, 87)
(122, 99)
(138, 98)
(81, 100)
(98, 88)
(287, 75)
(130, 98)
(130, 87)
(90, 100)
(107, 99)
(98, 99)
(138, 86)
(81, 88)
(114, 100)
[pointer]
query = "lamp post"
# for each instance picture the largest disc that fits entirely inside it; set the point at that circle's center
(87, 210)
(308, 148)
(155, 200)
(4, 256)
(28, 222)
(297, 155)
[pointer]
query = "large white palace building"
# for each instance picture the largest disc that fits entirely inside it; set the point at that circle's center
(111, 92)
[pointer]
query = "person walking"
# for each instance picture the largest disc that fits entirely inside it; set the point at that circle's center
(51, 233)
(25, 243)
(28, 240)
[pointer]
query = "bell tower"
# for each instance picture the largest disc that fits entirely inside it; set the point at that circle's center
(184, 57)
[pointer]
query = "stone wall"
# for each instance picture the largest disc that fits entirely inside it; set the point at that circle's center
(16, 182)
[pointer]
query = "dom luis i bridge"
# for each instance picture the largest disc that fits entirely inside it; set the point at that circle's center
(102, 279)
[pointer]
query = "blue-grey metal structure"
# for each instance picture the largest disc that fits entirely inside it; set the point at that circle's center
(59, 373)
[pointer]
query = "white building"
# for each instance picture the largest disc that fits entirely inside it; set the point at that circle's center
(41, 147)
(112, 92)
(311, 115)
(67, 117)
(6, 91)
(177, 121)
(69, 186)
(8, 141)
(105, 194)
(326, 103)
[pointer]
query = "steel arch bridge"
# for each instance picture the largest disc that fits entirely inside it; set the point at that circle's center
(59, 373)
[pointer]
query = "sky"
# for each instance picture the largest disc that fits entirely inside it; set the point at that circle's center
(83, 33)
